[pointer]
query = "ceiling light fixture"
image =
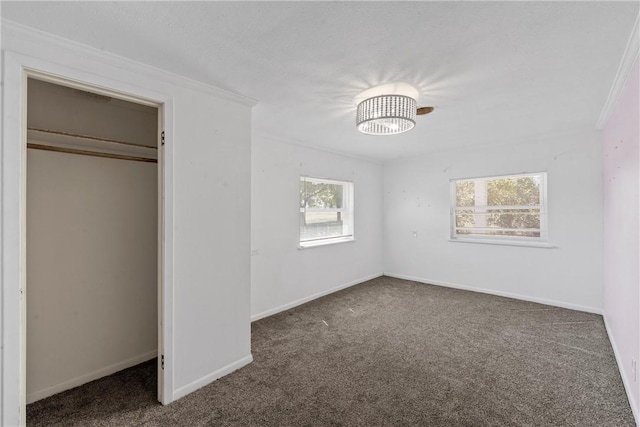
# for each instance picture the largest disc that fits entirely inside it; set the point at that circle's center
(386, 114)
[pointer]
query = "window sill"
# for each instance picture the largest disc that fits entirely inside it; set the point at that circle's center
(545, 245)
(314, 244)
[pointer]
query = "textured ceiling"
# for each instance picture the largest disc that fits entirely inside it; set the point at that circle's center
(497, 72)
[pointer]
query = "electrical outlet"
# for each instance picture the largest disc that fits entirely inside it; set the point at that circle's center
(634, 369)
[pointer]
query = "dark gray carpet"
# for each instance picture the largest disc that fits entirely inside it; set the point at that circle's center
(392, 353)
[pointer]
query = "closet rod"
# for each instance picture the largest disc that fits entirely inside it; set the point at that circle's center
(95, 138)
(90, 153)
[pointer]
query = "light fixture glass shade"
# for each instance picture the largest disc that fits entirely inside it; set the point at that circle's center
(386, 115)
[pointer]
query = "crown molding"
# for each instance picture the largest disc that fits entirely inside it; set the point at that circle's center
(24, 33)
(622, 75)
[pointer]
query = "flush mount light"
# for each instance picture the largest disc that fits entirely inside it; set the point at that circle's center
(388, 109)
(386, 114)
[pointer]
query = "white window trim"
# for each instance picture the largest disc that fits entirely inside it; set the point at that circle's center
(347, 209)
(538, 242)
(533, 244)
(325, 242)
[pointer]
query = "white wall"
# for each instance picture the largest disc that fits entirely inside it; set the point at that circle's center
(212, 223)
(416, 198)
(91, 268)
(621, 147)
(282, 275)
(207, 209)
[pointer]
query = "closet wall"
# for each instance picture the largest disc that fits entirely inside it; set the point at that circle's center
(91, 239)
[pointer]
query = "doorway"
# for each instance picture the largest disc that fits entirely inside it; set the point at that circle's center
(94, 236)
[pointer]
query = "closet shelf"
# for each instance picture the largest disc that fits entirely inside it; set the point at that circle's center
(87, 145)
(91, 137)
(90, 153)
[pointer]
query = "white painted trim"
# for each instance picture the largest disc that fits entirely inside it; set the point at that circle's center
(505, 242)
(499, 293)
(625, 381)
(324, 242)
(301, 301)
(16, 67)
(37, 36)
(13, 343)
(167, 280)
(78, 381)
(622, 75)
(207, 379)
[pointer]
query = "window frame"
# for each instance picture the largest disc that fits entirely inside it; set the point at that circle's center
(541, 241)
(347, 211)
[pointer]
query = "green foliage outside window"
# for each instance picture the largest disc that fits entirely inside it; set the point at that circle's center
(323, 209)
(519, 195)
(320, 195)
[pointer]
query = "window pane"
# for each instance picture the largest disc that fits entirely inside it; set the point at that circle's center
(320, 195)
(499, 206)
(517, 218)
(465, 193)
(512, 222)
(499, 232)
(320, 225)
(523, 191)
(465, 219)
(326, 209)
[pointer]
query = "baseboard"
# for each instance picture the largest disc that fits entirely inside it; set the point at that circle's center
(499, 293)
(208, 379)
(301, 301)
(625, 381)
(78, 381)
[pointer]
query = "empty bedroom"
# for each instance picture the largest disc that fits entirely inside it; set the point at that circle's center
(320, 213)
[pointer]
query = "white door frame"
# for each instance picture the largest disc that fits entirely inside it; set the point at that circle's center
(17, 68)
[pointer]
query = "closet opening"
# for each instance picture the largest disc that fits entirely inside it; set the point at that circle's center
(93, 237)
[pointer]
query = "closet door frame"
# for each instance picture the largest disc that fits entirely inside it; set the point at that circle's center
(17, 69)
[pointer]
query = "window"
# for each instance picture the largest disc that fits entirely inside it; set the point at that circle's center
(326, 211)
(500, 208)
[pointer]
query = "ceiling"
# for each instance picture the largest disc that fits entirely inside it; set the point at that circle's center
(497, 72)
